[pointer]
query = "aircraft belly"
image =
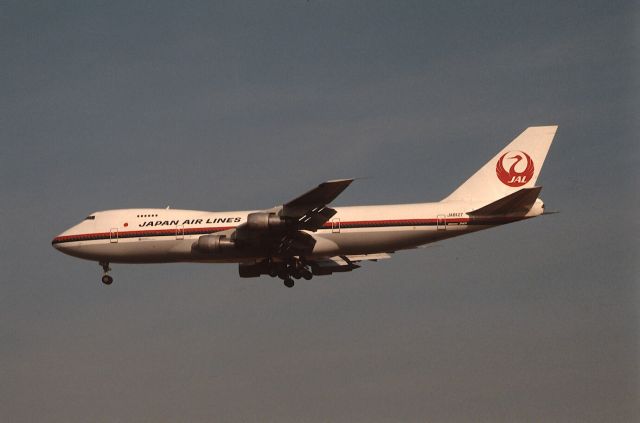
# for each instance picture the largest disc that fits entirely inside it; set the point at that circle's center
(383, 240)
(364, 242)
(133, 251)
(146, 251)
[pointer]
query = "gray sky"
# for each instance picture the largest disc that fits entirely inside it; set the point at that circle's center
(244, 105)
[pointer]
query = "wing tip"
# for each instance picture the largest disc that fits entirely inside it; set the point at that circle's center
(336, 181)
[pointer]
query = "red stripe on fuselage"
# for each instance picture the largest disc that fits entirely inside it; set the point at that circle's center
(328, 225)
(132, 234)
(396, 222)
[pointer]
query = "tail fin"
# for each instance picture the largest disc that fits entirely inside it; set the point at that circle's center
(516, 167)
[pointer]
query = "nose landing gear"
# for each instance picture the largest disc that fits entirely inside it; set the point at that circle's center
(106, 279)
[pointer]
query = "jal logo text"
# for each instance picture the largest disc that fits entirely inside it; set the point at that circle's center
(518, 173)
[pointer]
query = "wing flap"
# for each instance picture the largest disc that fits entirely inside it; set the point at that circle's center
(316, 218)
(329, 265)
(310, 209)
(369, 257)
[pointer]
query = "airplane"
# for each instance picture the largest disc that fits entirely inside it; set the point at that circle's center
(305, 237)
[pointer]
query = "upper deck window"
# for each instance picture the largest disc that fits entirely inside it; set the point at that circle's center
(90, 218)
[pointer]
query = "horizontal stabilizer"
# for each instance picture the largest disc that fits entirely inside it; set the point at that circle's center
(520, 202)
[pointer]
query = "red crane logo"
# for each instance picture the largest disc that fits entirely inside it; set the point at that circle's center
(512, 177)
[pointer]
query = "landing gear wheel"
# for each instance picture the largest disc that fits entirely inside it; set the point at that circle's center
(289, 283)
(106, 279)
(307, 274)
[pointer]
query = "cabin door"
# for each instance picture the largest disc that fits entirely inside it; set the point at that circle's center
(441, 222)
(335, 225)
(113, 235)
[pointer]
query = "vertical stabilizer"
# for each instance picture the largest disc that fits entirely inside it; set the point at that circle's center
(516, 167)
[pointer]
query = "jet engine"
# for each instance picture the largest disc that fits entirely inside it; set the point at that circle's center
(262, 221)
(214, 244)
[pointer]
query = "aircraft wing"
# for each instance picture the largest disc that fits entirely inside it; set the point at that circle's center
(311, 209)
(280, 230)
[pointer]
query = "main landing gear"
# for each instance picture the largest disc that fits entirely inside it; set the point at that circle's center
(106, 279)
(294, 269)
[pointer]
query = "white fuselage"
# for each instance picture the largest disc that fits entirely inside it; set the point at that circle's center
(166, 235)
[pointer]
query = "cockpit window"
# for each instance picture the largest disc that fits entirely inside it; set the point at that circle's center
(90, 218)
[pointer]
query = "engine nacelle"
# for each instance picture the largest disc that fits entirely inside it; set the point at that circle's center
(215, 244)
(265, 221)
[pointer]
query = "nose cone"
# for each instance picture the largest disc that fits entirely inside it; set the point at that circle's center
(65, 241)
(68, 243)
(58, 242)
(72, 241)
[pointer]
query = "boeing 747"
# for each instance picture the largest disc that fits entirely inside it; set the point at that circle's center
(306, 237)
